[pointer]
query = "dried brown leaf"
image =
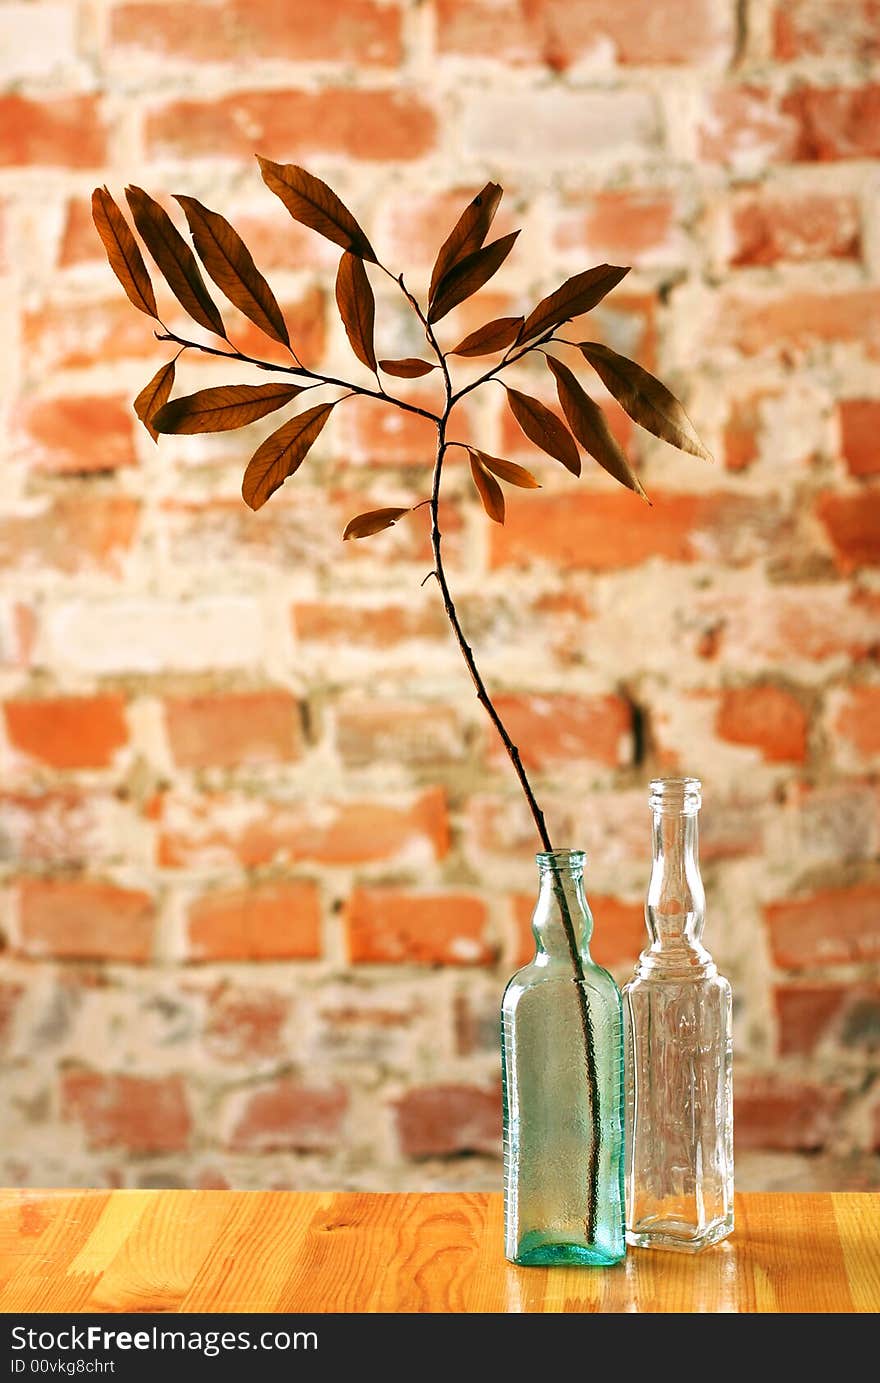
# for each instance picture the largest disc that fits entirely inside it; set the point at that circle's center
(357, 307)
(469, 274)
(153, 395)
(125, 257)
(577, 295)
(408, 368)
(488, 489)
(281, 454)
(311, 202)
(544, 429)
(491, 337)
(506, 470)
(175, 259)
(365, 525)
(644, 398)
(590, 427)
(468, 233)
(223, 408)
(229, 262)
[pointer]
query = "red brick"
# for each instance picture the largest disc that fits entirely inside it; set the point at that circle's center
(767, 717)
(619, 933)
(413, 228)
(84, 919)
(73, 533)
(351, 31)
(140, 1114)
(558, 33)
(859, 719)
(371, 431)
(374, 124)
(77, 435)
(276, 241)
(371, 626)
(832, 926)
(625, 321)
(767, 228)
(626, 227)
(607, 531)
(557, 728)
(326, 832)
(745, 123)
(835, 122)
(853, 526)
(773, 1113)
(80, 242)
(287, 1116)
(70, 731)
(805, 1013)
(10, 997)
(389, 925)
(58, 132)
(64, 826)
(798, 321)
(444, 1120)
(268, 921)
(860, 435)
(306, 318)
(245, 1024)
(80, 334)
(742, 431)
(827, 29)
(229, 728)
(407, 732)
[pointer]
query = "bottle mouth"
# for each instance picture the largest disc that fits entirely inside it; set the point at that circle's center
(557, 860)
(675, 794)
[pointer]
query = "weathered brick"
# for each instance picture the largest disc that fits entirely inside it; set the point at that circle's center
(138, 634)
(767, 228)
(236, 32)
(556, 728)
(370, 124)
(368, 627)
(825, 28)
(369, 731)
(799, 321)
(68, 732)
(138, 1114)
(54, 132)
(225, 729)
(268, 921)
(774, 1113)
(831, 926)
(860, 435)
(835, 122)
(245, 1024)
(71, 533)
(632, 227)
(852, 522)
(77, 435)
(767, 717)
(287, 1115)
(807, 1014)
(84, 919)
(560, 124)
(858, 719)
(389, 925)
(744, 126)
(443, 1120)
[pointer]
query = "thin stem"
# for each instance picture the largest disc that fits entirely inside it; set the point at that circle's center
(513, 753)
(300, 370)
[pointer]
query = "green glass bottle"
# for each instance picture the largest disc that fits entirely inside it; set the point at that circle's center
(562, 1041)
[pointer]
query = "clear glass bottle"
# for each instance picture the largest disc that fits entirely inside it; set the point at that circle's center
(562, 1041)
(678, 1050)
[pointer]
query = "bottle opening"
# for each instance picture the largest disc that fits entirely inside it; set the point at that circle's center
(675, 794)
(561, 860)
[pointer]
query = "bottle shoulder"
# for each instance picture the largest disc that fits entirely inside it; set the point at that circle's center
(537, 976)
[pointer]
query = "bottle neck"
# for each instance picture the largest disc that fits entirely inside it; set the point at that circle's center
(560, 896)
(675, 907)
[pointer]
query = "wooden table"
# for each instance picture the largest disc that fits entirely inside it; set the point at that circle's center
(237, 1251)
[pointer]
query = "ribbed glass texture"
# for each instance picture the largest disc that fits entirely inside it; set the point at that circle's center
(678, 1050)
(562, 1041)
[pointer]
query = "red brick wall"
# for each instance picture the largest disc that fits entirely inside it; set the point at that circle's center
(264, 869)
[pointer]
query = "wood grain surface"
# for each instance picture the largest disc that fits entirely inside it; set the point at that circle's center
(439, 1252)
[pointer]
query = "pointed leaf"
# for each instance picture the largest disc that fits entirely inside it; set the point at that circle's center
(469, 275)
(364, 525)
(577, 295)
(590, 427)
(228, 261)
(125, 258)
(468, 233)
(282, 454)
(175, 259)
(544, 429)
(644, 398)
(357, 307)
(494, 336)
(489, 490)
(506, 470)
(153, 395)
(223, 409)
(311, 202)
(408, 368)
